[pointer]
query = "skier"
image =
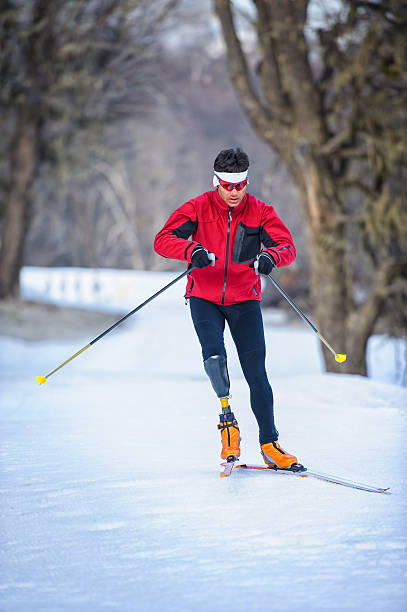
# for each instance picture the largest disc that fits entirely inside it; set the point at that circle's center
(247, 237)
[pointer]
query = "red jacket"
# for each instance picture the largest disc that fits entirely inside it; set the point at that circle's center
(236, 235)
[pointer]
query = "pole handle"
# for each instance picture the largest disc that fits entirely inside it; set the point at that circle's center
(256, 265)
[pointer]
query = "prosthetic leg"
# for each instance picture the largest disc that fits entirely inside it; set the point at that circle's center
(216, 368)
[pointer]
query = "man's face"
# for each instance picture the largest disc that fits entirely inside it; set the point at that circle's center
(232, 198)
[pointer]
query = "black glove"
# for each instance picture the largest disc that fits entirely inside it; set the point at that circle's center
(200, 257)
(266, 263)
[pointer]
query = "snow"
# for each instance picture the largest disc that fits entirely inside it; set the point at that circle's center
(111, 496)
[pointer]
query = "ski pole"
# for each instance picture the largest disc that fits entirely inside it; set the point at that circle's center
(340, 357)
(42, 379)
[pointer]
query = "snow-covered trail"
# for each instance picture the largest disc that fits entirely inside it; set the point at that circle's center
(111, 496)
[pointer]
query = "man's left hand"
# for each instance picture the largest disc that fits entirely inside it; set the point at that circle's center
(265, 263)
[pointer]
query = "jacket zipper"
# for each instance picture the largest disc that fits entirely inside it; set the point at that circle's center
(227, 255)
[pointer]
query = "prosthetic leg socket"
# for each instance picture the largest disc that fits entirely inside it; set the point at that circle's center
(217, 371)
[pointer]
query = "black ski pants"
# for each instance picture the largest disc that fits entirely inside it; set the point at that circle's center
(246, 326)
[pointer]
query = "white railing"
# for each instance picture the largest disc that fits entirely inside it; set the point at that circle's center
(103, 289)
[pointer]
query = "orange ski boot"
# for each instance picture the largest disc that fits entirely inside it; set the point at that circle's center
(229, 431)
(275, 456)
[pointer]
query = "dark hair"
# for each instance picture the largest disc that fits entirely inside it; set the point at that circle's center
(231, 160)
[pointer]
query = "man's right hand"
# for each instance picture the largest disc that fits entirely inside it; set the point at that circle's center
(200, 257)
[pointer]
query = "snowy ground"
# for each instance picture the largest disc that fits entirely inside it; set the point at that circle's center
(111, 496)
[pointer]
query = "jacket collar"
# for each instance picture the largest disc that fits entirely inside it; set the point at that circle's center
(221, 204)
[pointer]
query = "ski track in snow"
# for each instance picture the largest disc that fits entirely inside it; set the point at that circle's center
(111, 497)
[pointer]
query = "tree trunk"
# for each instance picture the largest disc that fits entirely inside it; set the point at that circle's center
(17, 201)
(345, 326)
(330, 288)
(287, 107)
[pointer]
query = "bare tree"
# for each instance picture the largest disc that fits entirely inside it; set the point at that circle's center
(339, 125)
(67, 71)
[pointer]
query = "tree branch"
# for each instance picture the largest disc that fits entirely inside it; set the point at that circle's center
(166, 10)
(103, 17)
(357, 219)
(365, 318)
(352, 153)
(356, 183)
(388, 10)
(332, 146)
(239, 72)
(268, 69)
(288, 22)
(398, 286)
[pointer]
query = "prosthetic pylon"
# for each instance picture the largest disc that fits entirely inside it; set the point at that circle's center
(216, 369)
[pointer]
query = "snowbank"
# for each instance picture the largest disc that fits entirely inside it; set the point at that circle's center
(111, 496)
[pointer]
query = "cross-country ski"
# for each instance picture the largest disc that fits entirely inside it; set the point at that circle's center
(305, 473)
(228, 466)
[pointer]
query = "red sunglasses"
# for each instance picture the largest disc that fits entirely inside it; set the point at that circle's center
(232, 186)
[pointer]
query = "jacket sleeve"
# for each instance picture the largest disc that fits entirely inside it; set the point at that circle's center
(276, 238)
(172, 240)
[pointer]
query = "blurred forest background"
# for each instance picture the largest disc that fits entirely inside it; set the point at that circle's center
(112, 112)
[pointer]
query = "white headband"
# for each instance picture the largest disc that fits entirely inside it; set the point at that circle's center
(229, 177)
